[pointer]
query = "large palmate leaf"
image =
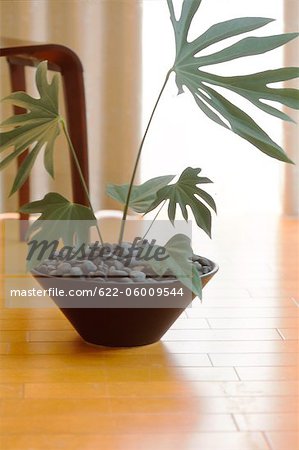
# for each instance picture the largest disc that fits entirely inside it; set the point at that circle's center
(38, 127)
(254, 87)
(185, 192)
(177, 259)
(60, 219)
(142, 196)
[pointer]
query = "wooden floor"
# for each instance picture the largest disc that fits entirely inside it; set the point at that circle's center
(225, 377)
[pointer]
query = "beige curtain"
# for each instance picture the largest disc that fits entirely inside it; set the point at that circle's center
(106, 34)
(291, 187)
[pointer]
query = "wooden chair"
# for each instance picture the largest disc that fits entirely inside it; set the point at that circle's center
(20, 54)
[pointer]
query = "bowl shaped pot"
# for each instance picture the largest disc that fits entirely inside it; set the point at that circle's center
(119, 314)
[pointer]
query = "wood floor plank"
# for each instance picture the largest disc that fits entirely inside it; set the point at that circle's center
(289, 333)
(275, 346)
(280, 440)
(268, 422)
(254, 323)
(214, 313)
(254, 359)
(11, 390)
(35, 324)
(162, 441)
(13, 335)
(268, 373)
(222, 335)
(201, 389)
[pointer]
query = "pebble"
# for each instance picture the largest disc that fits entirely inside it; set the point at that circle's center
(197, 265)
(137, 275)
(63, 268)
(76, 271)
(118, 265)
(117, 273)
(44, 269)
(100, 273)
(89, 266)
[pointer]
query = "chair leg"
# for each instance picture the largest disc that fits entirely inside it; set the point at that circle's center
(18, 83)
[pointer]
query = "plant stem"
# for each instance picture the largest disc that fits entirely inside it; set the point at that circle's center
(152, 222)
(73, 152)
(125, 212)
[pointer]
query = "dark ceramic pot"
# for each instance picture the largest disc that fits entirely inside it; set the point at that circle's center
(119, 318)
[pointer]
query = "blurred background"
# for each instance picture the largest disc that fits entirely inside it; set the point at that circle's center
(126, 48)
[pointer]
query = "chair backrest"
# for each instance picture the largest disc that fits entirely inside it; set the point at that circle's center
(20, 54)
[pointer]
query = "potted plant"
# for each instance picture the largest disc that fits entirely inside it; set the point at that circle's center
(155, 281)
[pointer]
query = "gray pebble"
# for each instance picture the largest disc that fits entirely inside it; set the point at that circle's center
(204, 261)
(197, 265)
(138, 275)
(63, 268)
(97, 261)
(76, 271)
(110, 262)
(125, 244)
(206, 269)
(43, 269)
(53, 272)
(117, 273)
(89, 266)
(118, 265)
(73, 262)
(100, 273)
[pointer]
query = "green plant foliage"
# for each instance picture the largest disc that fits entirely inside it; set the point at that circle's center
(38, 127)
(184, 193)
(254, 87)
(178, 261)
(142, 196)
(55, 208)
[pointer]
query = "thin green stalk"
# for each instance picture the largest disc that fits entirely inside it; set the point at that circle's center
(152, 222)
(126, 207)
(73, 152)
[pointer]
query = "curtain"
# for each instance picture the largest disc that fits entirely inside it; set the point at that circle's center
(291, 185)
(106, 35)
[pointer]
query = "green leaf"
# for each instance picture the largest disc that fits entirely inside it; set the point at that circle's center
(244, 126)
(60, 219)
(249, 46)
(142, 196)
(223, 30)
(38, 128)
(253, 87)
(185, 193)
(56, 207)
(178, 261)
